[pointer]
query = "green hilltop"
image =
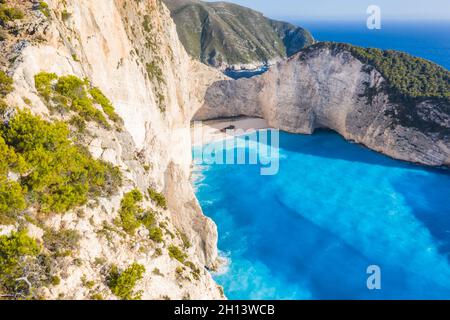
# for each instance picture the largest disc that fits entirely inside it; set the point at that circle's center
(224, 34)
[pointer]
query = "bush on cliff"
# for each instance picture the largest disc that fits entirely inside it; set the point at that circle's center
(158, 198)
(52, 172)
(6, 84)
(16, 251)
(130, 210)
(9, 14)
(70, 93)
(122, 283)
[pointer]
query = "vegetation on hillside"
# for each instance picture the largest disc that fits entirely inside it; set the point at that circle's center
(408, 77)
(43, 7)
(130, 211)
(122, 283)
(6, 84)
(177, 254)
(40, 166)
(220, 32)
(132, 216)
(8, 13)
(17, 256)
(70, 94)
(106, 104)
(52, 173)
(158, 198)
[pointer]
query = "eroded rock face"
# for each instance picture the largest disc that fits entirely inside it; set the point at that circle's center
(332, 89)
(130, 50)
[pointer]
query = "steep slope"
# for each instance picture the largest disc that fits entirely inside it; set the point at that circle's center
(391, 102)
(148, 236)
(227, 35)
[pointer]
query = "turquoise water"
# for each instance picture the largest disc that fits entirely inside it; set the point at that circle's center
(334, 208)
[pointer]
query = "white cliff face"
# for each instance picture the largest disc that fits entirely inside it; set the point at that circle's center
(130, 50)
(325, 89)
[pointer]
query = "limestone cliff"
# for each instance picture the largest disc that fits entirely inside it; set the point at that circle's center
(328, 87)
(130, 50)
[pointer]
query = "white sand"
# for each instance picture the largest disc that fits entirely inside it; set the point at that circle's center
(213, 130)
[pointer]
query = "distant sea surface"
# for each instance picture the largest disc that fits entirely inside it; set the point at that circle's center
(426, 39)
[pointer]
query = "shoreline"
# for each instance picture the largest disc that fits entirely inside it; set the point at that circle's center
(215, 130)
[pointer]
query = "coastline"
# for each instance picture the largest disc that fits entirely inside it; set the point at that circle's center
(216, 130)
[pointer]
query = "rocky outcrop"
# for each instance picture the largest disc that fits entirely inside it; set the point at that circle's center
(325, 88)
(130, 50)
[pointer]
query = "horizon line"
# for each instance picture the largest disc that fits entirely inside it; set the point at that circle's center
(355, 18)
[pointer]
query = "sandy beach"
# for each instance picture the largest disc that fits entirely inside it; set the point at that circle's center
(216, 130)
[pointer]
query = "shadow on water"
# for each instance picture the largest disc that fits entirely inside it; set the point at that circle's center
(336, 147)
(429, 197)
(268, 228)
(425, 189)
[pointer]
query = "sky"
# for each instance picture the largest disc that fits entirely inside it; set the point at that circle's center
(350, 9)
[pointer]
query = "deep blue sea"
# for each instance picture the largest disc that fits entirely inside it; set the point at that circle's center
(425, 39)
(334, 208)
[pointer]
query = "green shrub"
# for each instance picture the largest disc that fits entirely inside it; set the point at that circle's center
(122, 283)
(43, 7)
(43, 82)
(15, 252)
(155, 73)
(65, 15)
(107, 106)
(97, 296)
(177, 254)
(3, 108)
(194, 270)
(86, 109)
(6, 84)
(12, 196)
(158, 252)
(9, 14)
(147, 23)
(69, 93)
(158, 198)
(156, 234)
(89, 284)
(130, 210)
(149, 221)
(55, 280)
(62, 242)
(59, 175)
(71, 87)
(79, 123)
(157, 272)
(185, 239)
(12, 201)
(9, 160)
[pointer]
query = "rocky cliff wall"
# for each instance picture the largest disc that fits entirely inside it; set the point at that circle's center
(130, 50)
(323, 88)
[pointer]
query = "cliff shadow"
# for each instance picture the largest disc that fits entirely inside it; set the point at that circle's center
(327, 143)
(428, 195)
